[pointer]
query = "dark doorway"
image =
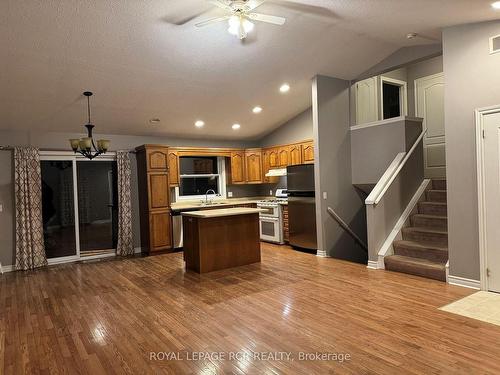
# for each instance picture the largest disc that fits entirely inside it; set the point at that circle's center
(391, 100)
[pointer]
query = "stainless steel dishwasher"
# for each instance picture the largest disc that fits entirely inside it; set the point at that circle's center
(177, 229)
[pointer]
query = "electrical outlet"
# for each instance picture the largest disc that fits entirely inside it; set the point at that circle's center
(229, 194)
(1, 207)
(271, 192)
(325, 195)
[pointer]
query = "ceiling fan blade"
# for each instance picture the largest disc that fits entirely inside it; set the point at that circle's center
(252, 4)
(275, 20)
(221, 4)
(211, 21)
(305, 8)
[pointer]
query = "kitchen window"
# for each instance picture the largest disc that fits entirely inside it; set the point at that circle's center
(198, 174)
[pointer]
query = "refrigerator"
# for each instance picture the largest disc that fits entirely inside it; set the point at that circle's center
(301, 206)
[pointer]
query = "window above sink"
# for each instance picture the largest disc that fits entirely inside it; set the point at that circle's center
(198, 174)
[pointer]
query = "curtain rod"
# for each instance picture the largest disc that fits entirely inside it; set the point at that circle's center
(8, 148)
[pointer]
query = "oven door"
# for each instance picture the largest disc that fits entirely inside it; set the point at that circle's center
(270, 229)
(270, 211)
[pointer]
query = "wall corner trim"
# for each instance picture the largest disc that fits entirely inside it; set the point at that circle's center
(462, 281)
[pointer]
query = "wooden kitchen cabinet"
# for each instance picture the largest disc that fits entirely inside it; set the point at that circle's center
(160, 226)
(307, 152)
(283, 157)
(253, 166)
(157, 158)
(238, 167)
(173, 168)
(154, 198)
(295, 154)
(266, 167)
(274, 160)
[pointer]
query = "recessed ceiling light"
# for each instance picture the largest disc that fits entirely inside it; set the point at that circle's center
(154, 121)
(257, 109)
(199, 124)
(285, 88)
(236, 126)
(496, 5)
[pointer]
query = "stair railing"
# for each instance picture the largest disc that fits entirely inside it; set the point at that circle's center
(392, 172)
(346, 227)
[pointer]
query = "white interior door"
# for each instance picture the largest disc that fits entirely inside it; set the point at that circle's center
(429, 104)
(366, 101)
(491, 167)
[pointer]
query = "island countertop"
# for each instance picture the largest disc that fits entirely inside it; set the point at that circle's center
(205, 214)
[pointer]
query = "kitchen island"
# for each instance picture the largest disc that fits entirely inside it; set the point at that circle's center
(221, 238)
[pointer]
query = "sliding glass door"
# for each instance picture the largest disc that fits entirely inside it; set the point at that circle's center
(97, 206)
(58, 208)
(79, 206)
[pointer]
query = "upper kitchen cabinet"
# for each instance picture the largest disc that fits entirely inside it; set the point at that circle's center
(237, 167)
(295, 154)
(308, 152)
(273, 157)
(283, 157)
(173, 168)
(253, 163)
(157, 158)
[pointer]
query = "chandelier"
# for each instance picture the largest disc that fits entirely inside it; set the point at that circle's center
(86, 146)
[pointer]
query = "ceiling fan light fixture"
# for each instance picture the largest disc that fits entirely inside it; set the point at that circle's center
(239, 26)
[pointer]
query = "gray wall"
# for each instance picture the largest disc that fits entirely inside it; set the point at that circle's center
(333, 171)
(297, 129)
(59, 141)
(374, 148)
(472, 78)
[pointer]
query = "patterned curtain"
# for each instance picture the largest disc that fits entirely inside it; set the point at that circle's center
(125, 244)
(30, 248)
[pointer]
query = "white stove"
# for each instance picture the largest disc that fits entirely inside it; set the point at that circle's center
(271, 220)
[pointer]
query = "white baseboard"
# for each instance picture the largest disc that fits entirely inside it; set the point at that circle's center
(8, 268)
(322, 254)
(462, 281)
(372, 264)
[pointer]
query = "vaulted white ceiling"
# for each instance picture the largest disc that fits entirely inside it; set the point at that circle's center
(141, 65)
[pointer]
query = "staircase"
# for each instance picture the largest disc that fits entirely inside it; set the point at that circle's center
(423, 251)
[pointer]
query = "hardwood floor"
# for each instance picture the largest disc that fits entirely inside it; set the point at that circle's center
(108, 316)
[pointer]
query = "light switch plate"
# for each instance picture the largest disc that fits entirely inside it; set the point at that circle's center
(325, 195)
(229, 194)
(1, 207)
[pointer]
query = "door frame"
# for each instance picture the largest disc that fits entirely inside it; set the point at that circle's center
(71, 156)
(403, 95)
(480, 113)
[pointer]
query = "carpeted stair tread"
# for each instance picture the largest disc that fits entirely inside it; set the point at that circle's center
(429, 221)
(427, 235)
(416, 266)
(422, 250)
(433, 208)
(439, 184)
(436, 195)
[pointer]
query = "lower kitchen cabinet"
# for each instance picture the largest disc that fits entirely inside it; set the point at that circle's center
(160, 228)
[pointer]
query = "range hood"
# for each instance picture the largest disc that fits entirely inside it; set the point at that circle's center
(276, 172)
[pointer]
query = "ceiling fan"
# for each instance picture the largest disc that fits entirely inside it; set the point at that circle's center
(240, 16)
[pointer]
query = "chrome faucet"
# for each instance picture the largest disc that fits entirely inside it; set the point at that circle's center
(206, 195)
